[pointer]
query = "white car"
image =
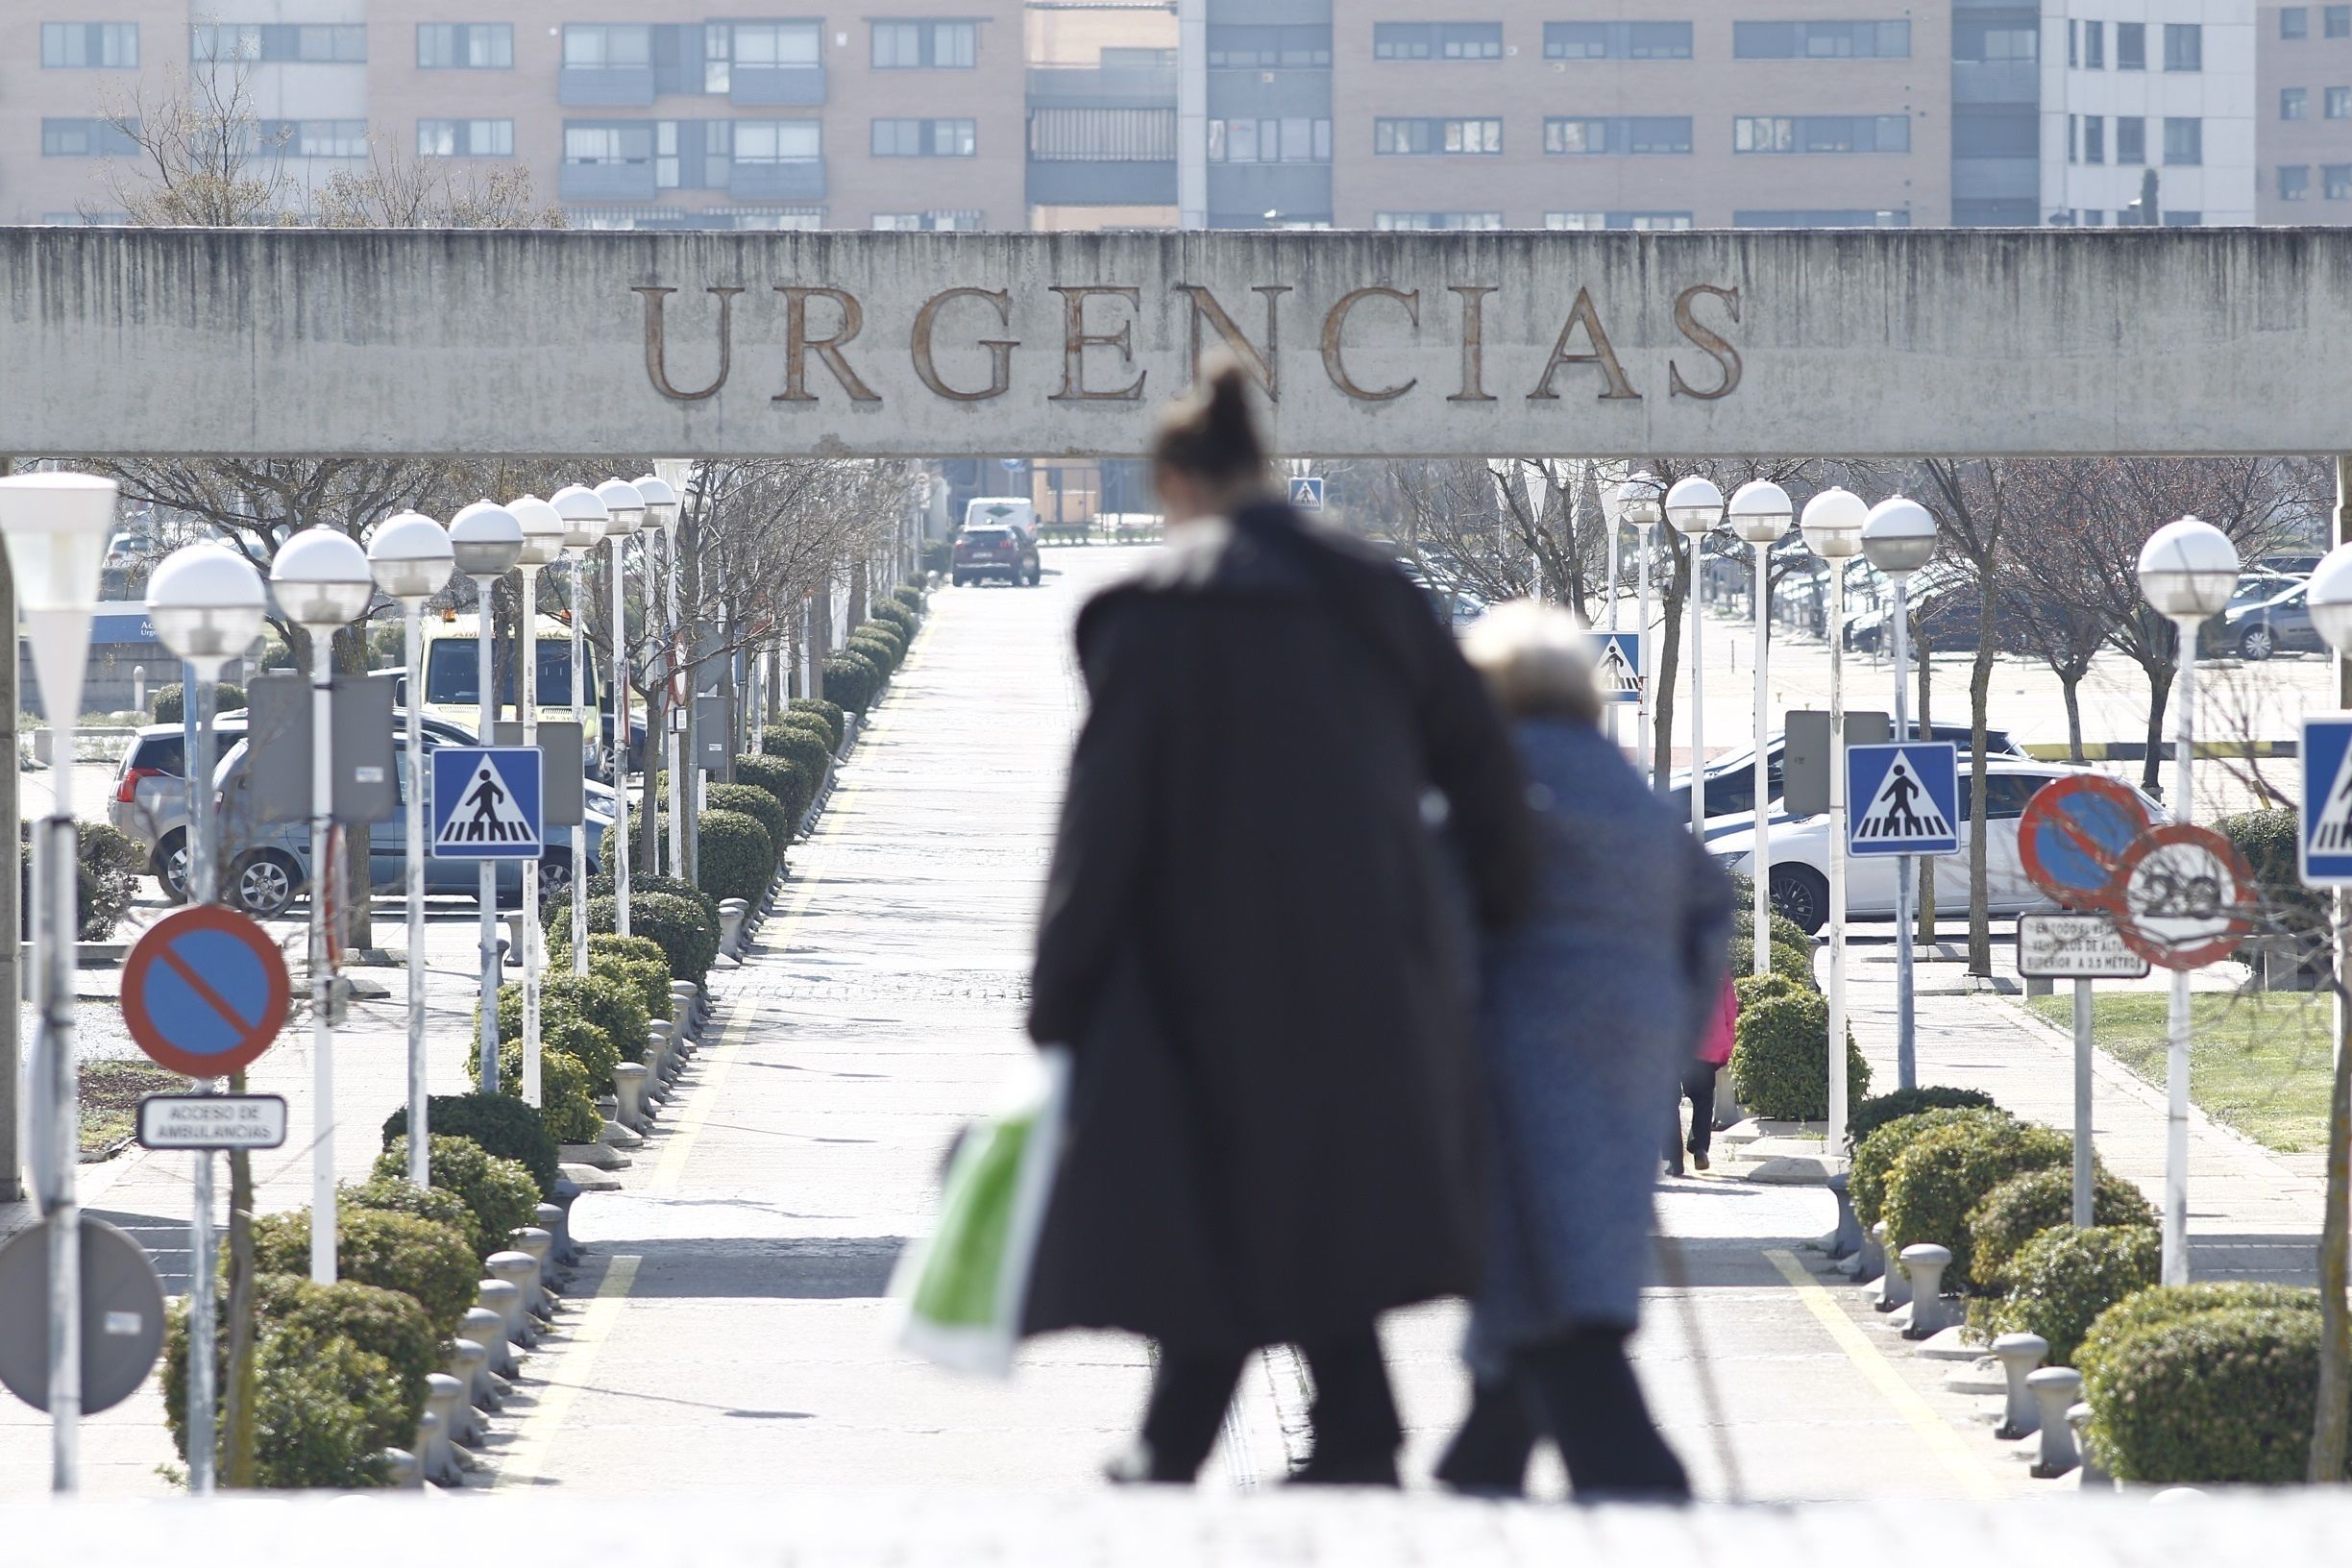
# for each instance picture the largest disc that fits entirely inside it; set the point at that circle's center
(1801, 854)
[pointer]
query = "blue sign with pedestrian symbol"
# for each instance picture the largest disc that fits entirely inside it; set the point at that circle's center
(2326, 826)
(487, 804)
(1617, 667)
(1903, 799)
(1307, 494)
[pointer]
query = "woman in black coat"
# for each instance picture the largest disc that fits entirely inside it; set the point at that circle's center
(1255, 942)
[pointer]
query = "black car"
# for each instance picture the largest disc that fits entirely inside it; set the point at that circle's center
(1008, 554)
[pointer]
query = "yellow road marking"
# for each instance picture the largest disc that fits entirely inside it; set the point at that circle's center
(525, 1464)
(1977, 1481)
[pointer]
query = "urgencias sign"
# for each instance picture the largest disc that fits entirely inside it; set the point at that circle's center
(1958, 343)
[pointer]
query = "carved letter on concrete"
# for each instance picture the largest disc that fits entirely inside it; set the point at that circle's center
(1076, 340)
(1262, 367)
(1334, 342)
(1686, 321)
(1000, 349)
(798, 344)
(1473, 342)
(1582, 314)
(657, 368)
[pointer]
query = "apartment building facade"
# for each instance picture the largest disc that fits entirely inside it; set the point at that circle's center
(2303, 107)
(2157, 88)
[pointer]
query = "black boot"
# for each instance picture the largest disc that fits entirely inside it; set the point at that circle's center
(1489, 1457)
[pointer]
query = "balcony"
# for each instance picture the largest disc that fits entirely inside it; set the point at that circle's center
(1080, 182)
(776, 86)
(606, 88)
(607, 182)
(792, 179)
(1088, 86)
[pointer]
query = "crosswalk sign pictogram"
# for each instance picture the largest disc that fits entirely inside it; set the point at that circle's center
(1617, 665)
(1904, 798)
(2326, 820)
(1307, 494)
(487, 804)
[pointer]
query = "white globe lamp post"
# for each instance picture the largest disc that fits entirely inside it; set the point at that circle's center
(663, 504)
(486, 540)
(584, 522)
(1760, 514)
(544, 533)
(1695, 507)
(625, 511)
(1638, 502)
(1833, 524)
(1898, 539)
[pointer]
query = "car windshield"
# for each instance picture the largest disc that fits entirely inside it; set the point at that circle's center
(452, 665)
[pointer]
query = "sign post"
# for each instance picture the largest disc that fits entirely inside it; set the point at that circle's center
(2081, 948)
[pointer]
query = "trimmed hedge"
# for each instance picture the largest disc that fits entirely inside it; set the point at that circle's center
(391, 1195)
(2216, 1398)
(895, 614)
(758, 804)
(886, 650)
(909, 595)
(2023, 1207)
(738, 857)
(1875, 1156)
(2171, 1303)
(625, 961)
(1946, 1172)
(1780, 1062)
(853, 681)
(1754, 989)
(799, 744)
(793, 785)
(565, 1082)
(687, 936)
(170, 703)
(836, 725)
(613, 1006)
(1878, 1109)
(2063, 1279)
(416, 1257)
(2267, 839)
(502, 1124)
(600, 888)
(498, 1195)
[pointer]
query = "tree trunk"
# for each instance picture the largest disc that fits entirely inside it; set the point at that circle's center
(2329, 1433)
(651, 843)
(1980, 699)
(2070, 685)
(1667, 664)
(236, 1460)
(2159, 698)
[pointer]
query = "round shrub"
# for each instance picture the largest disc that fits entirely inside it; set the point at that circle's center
(1946, 1172)
(837, 727)
(738, 857)
(600, 891)
(850, 680)
(909, 594)
(2061, 1279)
(551, 1012)
(2171, 1303)
(325, 1409)
(2216, 1398)
(613, 1006)
(1779, 1059)
(605, 942)
(1753, 989)
(1875, 1156)
(1878, 1109)
(895, 614)
(787, 780)
(500, 1123)
(390, 1195)
(885, 649)
(762, 807)
(566, 1084)
(170, 703)
(799, 744)
(499, 1193)
(688, 938)
(2023, 1207)
(416, 1257)
(2267, 839)
(646, 979)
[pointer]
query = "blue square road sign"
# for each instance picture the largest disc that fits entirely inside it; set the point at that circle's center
(2324, 825)
(487, 804)
(1902, 799)
(1617, 667)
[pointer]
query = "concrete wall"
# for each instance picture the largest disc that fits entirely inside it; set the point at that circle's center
(522, 342)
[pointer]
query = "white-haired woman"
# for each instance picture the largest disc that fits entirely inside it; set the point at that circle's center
(1591, 1006)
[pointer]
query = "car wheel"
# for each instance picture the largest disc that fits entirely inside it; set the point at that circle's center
(1801, 893)
(959, 579)
(2256, 643)
(170, 865)
(263, 883)
(554, 878)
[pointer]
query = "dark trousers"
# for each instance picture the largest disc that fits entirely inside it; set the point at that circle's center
(1699, 1087)
(1579, 1391)
(1355, 1416)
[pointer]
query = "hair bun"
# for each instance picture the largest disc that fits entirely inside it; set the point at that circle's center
(1210, 431)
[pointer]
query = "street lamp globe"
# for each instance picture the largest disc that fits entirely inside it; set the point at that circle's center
(487, 540)
(1695, 506)
(1899, 537)
(321, 579)
(55, 526)
(1833, 523)
(677, 472)
(2187, 570)
(662, 502)
(412, 557)
(207, 602)
(2330, 597)
(626, 507)
(1760, 511)
(584, 516)
(544, 532)
(1637, 499)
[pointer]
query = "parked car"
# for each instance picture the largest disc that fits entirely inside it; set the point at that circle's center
(1002, 512)
(1730, 778)
(1004, 553)
(2278, 625)
(1800, 878)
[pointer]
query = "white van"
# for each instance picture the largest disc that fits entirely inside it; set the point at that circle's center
(1002, 512)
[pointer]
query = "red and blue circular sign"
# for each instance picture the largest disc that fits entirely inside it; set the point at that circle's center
(204, 991)
(2074, 836)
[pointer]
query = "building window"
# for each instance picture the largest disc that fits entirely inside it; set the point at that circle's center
(2295, 103)
(2095, 139)
(106, 45)
(913, 46)
(1617, 40)
(2336, 182)
(607, 46)
(465, 46)
(465, 138)
(1619, 133)
(778, 141)
(1269, 141)
(1481, 221)
(2072, 120)
(2294, 181)
(1106, 136)
(2131, 139)
(1437, 40)
(1821, 134)
(2339, 104)
(2339, 19)
(1402, 138)
(598, 145)
(2184, 46)
(2294, 21)
(926, 139)
(2094, 46)
(1824, 218)
(85, 138)
(1821, 41)
(2183, 218)
(1264, 47)
(1596, 222)
(759, 46)
(2131, 46)
(1982, 42)
(315, 138)
(277, 44)
(2184, 141)
(962, 221)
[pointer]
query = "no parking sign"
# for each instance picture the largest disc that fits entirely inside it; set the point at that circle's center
(204, 991)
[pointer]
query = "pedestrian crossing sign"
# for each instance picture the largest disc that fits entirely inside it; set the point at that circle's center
(1902, 799)
(1307, 494)
(2326, 825)
(1616, 657)
(486, 803)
